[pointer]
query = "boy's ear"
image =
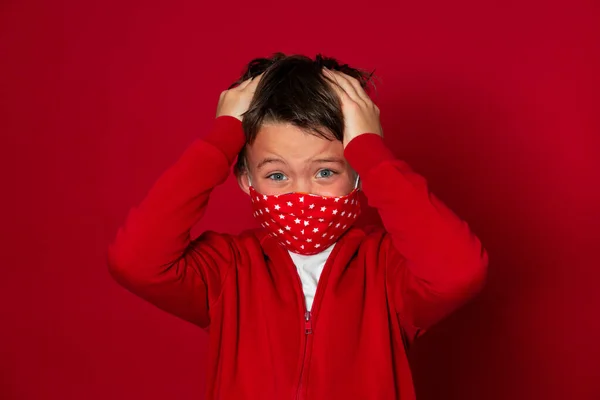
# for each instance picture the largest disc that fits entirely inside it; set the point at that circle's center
(243, 181)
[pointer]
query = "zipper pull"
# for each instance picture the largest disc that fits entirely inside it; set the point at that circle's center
(307, 323)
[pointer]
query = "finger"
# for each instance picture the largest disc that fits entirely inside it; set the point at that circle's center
(247, 82)
(344, 84)
(242, 85)
(335, 85)
(358, 89)
(253, 82)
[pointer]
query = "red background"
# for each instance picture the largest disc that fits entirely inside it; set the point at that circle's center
(497, 105)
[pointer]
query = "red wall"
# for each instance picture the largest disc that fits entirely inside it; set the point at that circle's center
(496, 105)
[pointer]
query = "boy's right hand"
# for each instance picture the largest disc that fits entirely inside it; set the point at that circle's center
(234, 102)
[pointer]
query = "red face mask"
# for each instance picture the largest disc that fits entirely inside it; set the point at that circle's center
(306, 223)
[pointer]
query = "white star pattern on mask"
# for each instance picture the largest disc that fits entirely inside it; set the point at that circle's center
(330, 217)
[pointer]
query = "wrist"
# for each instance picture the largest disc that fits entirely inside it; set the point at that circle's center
(349, 139)
(227, 135)
(366, 151)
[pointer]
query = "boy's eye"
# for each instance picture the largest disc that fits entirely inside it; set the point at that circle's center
(325, 173)
(278, 176)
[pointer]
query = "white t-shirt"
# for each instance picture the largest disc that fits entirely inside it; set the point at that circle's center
(309, 269)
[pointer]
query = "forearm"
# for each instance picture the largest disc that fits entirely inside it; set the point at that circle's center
(149, 255)
(442, 261)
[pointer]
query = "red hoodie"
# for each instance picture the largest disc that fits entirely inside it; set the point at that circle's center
(377, 292)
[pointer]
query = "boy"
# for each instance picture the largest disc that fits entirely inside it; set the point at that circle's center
(307, 306)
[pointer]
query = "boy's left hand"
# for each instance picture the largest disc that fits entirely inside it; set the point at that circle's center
(361, 115)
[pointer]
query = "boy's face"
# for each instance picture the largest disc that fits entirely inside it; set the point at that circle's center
(285, 159)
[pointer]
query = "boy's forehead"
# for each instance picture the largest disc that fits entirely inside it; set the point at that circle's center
(288, 141)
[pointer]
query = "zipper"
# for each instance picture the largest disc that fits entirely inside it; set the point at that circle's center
(307, 331)
(307, 323)
(308, 315)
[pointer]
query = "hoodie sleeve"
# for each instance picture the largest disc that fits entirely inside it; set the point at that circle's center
(153, 255)
(434, 262)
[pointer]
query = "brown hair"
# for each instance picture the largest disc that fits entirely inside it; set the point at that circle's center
(293, 90)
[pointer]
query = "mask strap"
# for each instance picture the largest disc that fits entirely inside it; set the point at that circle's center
(356, 183)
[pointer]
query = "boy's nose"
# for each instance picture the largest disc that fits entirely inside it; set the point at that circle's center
(303, 186)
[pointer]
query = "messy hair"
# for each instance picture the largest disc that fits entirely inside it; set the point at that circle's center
(293, 90)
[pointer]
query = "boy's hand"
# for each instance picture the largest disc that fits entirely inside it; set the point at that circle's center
(361, 115)
(235, 101)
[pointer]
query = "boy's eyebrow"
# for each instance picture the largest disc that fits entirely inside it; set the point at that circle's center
(329, 160)
(269, 160)
(273, 160)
